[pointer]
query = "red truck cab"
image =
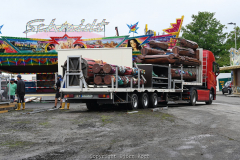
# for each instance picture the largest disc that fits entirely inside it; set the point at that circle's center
(210, 71)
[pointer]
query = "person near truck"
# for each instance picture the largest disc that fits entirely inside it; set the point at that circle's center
(12, 87)
(58, 86)
(64, 100)
(20, 93)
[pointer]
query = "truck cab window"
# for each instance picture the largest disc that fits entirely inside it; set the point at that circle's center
(215, 68)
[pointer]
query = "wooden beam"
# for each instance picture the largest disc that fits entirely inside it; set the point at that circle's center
(4, 111)
(8, 106)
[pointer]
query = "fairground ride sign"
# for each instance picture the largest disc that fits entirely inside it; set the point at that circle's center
(65, 27)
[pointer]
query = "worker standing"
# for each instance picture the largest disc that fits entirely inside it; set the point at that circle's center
(12, 87)
(20, 92)
(64, 100)
(63, 103)
(58, 86)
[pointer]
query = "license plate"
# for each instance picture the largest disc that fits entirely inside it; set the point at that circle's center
(86, 96)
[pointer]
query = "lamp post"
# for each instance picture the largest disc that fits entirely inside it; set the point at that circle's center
(235, 34)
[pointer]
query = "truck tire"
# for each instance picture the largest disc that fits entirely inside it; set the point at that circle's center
(193, 98)
(210, 98)
(92, 106)
(143, 100)
(133, 102)
(153, 100)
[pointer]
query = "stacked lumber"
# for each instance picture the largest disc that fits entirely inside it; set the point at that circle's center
(150, 51)
(187, 75)
(89, 66)
(185, 54)
(100, 73)
(87, 69)
(158, 45)
(184, 51)
(104, 74)
(167, 59)
(186, 48)
(187, 43)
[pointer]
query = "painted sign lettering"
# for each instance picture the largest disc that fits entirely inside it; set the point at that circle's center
(65, 26)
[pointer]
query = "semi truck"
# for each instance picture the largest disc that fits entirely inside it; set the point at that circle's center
(157, 90)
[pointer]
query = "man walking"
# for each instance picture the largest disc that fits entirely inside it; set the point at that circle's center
(12, 87)
(20, 92)
(58, 85)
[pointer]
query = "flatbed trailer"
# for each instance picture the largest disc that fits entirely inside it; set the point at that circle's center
(144, 95)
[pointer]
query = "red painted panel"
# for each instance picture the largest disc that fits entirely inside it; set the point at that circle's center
(203, 95)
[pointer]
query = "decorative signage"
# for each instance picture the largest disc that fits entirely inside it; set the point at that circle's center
(234, 57)
(66, 26)
(1, 28)
(133, 28)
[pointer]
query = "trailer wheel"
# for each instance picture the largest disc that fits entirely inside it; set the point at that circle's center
(153, 100)
(193, 98)
(92, 106)
(133, 102)
(143, 100)
(210, 98)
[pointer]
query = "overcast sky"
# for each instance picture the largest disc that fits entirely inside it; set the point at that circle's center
(158, 14)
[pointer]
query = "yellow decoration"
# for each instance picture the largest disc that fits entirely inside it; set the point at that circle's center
(146, 28)
(180, 26)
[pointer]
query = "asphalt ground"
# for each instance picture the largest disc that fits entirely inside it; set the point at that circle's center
(179, 132)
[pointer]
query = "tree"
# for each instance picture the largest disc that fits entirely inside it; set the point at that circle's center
(230, 43)
(208, 32)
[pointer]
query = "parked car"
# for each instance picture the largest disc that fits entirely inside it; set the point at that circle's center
(227, 88)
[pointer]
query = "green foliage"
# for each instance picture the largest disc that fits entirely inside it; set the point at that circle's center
(207, 31)
(223, 60)
(105, 119)
(230, 42)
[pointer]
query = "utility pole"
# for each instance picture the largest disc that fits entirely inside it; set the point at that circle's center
(235, 34)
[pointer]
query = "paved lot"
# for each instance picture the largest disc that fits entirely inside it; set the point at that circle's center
(180, 132)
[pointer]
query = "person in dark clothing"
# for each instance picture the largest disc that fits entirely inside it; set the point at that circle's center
(20, 92)
(58, 86)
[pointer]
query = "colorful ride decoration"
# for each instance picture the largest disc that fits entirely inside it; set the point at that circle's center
(27, 45)
(133, 27)
(65, 42)
(172, 32)
(32, 51)
(1, 29)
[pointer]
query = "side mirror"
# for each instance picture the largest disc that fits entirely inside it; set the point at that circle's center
(217, 72)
